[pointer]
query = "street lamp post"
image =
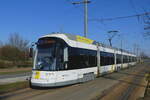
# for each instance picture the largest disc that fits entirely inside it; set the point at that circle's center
(85, 2)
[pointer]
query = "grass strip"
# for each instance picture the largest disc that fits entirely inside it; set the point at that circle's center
(13, 86)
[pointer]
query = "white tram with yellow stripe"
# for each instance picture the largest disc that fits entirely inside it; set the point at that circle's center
(63, 59)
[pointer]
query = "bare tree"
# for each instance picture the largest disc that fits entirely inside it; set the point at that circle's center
(17, 41)
(143, 55)
(1, 43)
(14, 52)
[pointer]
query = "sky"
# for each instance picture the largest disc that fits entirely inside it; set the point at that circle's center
(34, 18)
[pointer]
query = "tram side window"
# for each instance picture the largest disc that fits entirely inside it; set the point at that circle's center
(118, 58)
(125, 59)
(130, 58)
(106, 58)
(81, 58)
(134, 59)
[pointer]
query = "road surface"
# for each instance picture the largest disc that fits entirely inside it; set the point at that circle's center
(5, 79)
(100, 88)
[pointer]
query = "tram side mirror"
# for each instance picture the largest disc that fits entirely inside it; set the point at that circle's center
(31, 52)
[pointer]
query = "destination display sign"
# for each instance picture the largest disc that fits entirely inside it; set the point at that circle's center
(46, 41)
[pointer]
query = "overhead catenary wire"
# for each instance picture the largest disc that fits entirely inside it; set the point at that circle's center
(118, 18)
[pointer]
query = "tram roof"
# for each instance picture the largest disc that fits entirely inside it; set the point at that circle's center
(86, 40)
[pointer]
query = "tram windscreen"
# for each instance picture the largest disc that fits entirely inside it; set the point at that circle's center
(49, 56)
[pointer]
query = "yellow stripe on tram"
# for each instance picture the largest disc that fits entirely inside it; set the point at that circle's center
(37, 75)
(84, 40)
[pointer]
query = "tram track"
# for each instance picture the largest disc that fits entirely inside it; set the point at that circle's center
(28, 93)
(128, 87)
(133, 88)
(25, 94)
(128, 92)
(123, 81)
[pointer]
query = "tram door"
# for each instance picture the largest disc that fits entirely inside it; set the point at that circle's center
(65, 57)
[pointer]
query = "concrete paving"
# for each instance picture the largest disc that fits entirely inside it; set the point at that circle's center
(84, 91)
(5, 79)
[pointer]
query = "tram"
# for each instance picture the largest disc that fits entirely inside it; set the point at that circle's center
(64, 59)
